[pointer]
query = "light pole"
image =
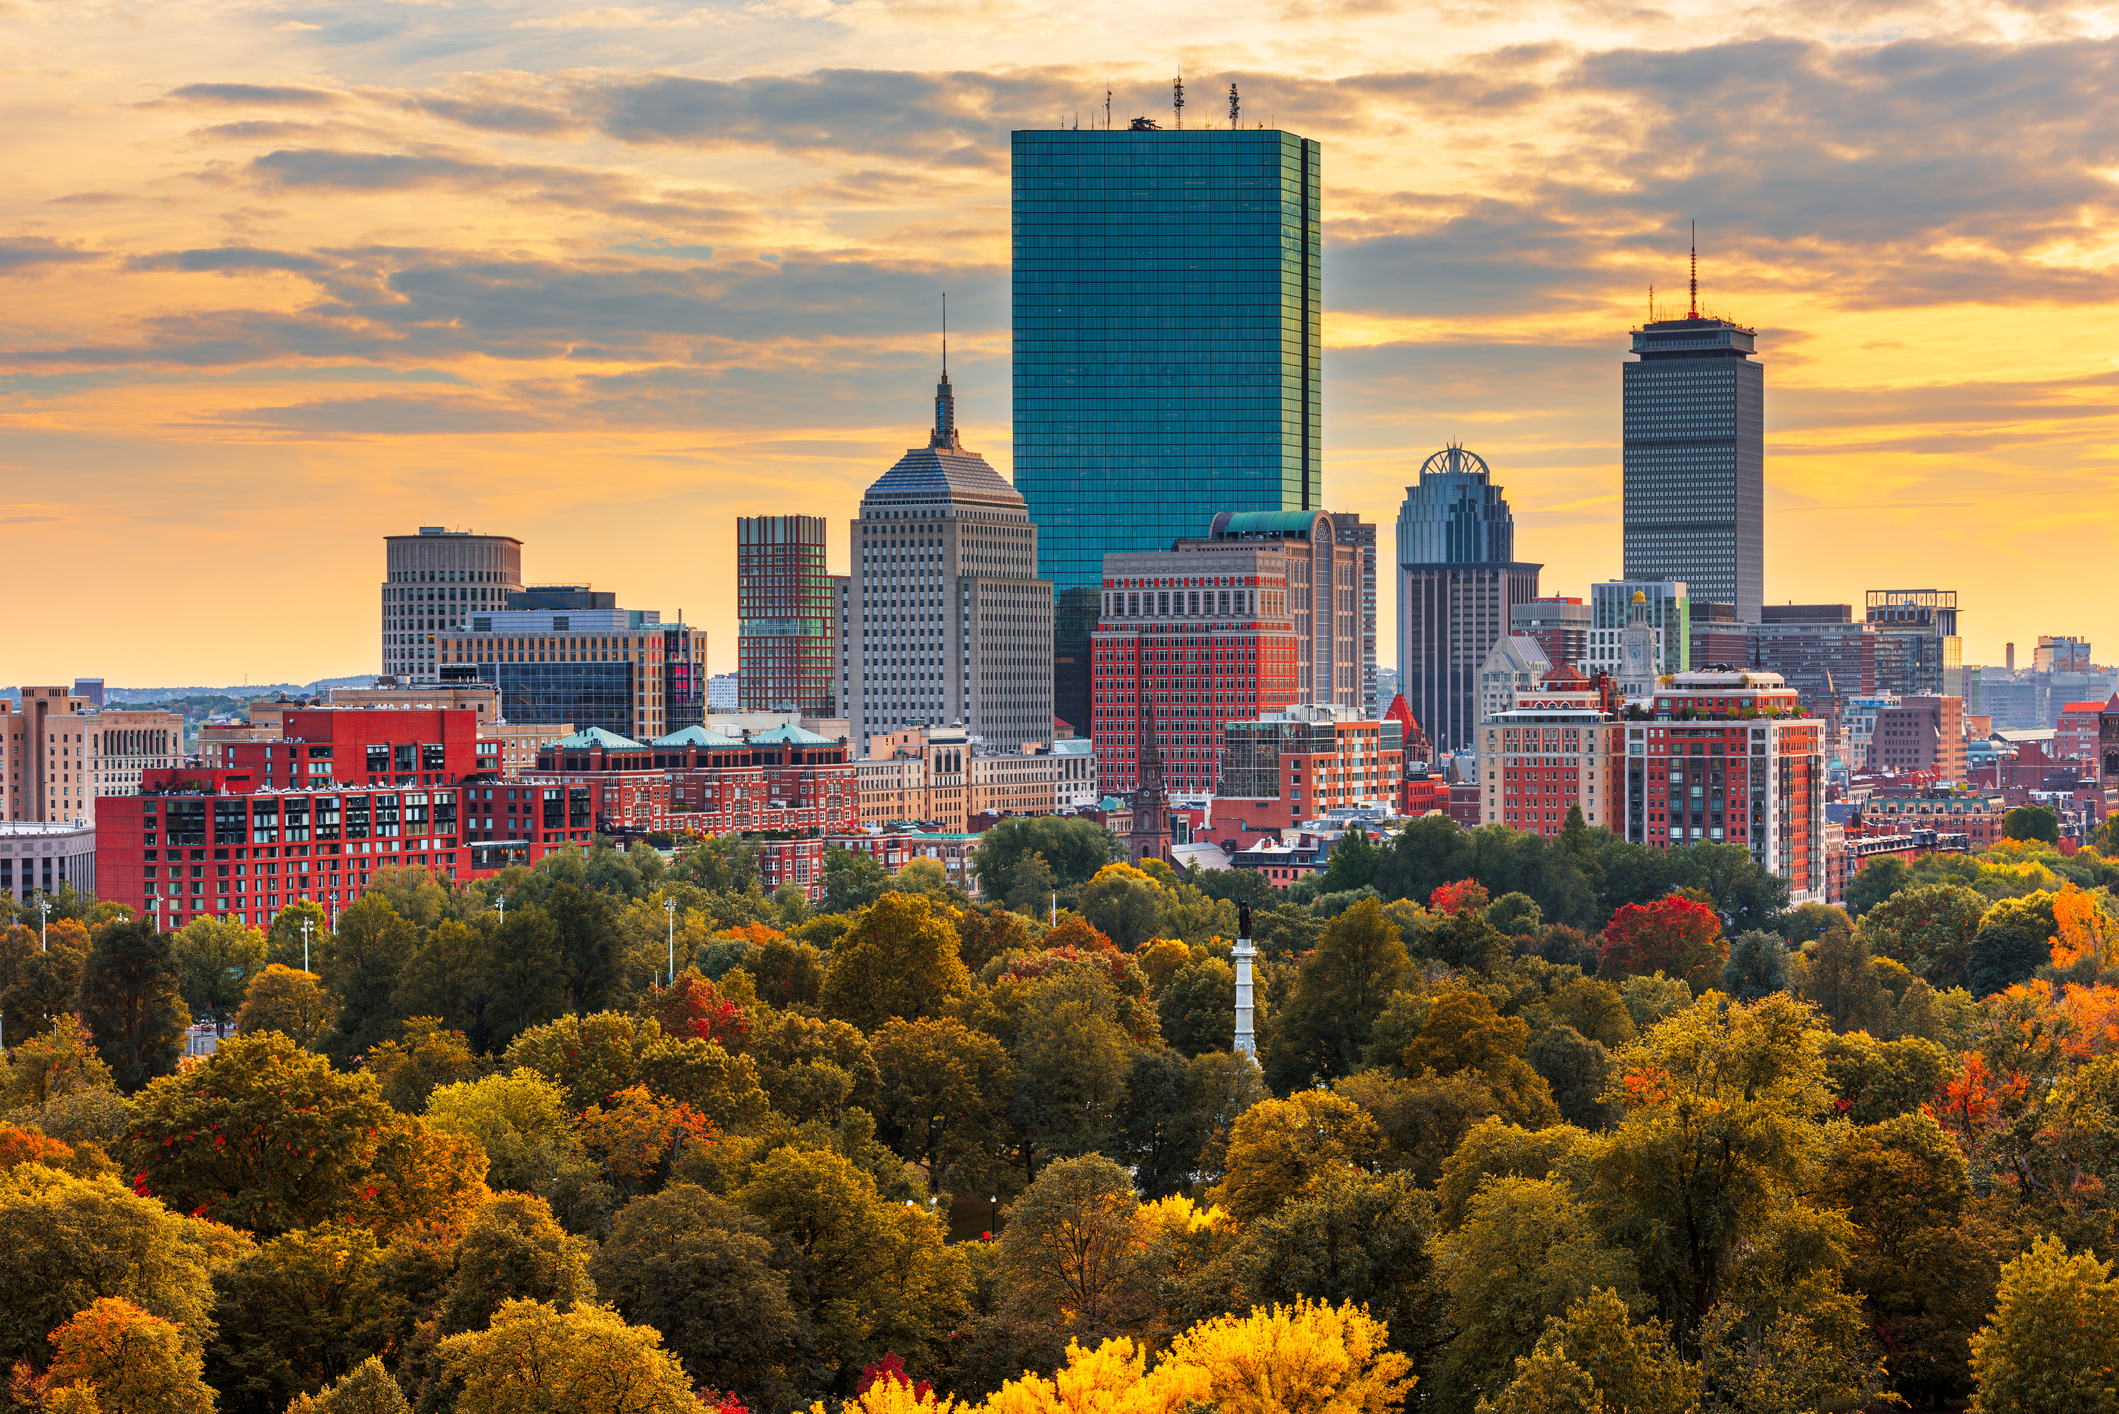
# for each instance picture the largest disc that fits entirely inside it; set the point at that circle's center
(669, 906)
(307, 924)
(503, 907)
(44, 907)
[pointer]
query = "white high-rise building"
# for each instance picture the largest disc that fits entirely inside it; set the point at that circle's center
(943, 619)
(433, 582)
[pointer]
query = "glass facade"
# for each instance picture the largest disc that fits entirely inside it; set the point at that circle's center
(586, 694)
(1167, 354)
(1694, 452)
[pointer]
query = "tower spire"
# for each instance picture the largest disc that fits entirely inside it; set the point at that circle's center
(1693, 309)
(944, 437)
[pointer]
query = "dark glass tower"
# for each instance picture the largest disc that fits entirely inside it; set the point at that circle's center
(1695, 461)
(1167, 355)
(1458, 586)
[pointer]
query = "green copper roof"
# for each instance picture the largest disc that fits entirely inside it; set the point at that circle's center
(696, 736)
(590, 737)
(790, 736)
(1230, 525)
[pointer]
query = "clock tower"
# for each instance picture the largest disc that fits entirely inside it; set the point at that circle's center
(1640, 651)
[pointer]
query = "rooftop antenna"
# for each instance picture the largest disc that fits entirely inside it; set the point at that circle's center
(1178, 88)
(1235, 107)
(945, 333)
(1651, 304)
(1694, 311)
(1107, 110)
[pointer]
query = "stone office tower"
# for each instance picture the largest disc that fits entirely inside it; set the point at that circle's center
(1694, 454)
(945, 619)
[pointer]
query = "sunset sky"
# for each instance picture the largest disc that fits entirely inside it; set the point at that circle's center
(277, 280)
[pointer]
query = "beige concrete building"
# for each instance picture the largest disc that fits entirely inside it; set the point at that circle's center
(433, 582)
(123, 743)
(46, 762)
(38, 857)
(942, 774)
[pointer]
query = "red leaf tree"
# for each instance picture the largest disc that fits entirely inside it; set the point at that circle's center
(1464, 896)
(1674, 936)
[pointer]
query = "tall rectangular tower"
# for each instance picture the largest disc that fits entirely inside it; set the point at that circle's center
(1694, 429)
(1167, 353)
(786, 612)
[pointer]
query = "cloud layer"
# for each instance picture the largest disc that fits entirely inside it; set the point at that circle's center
(626, 273)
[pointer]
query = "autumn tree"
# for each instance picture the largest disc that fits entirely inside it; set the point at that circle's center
(290, 1002)
(66, 1242)
(57, 1061)
(1722, 1110)
(2052, 1343)
(408, 1069)
(1463, 1033)
(133, 1361)
(703, 1272)
(1675, 936)
(1342, 988)
(1198, 1007)
(1929, 928)
(514, 1249)
(130, 1001)
(367, 1389)
(1841, 982)
(1758, 964)
(521, 1121)
(1073, 1259)
(1280, 1146)
(865, 1275)
(270, 1138)
(900, 959)
(537, 1359)
(521, 975)
(1124, 903)
(1598, 1357)
(284, 938)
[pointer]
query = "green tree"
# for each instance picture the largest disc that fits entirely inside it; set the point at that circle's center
(426, 1056)
(1876, 1080)
(942, 1100)
(1577, 1070)
(1843, 985)
(1353, 865)
(537, 1359)
(51, 1065)
(270, 1138)
(284, 940)
(1515, 915)
(1874, 882)
(2014, 940)
(292, 1003)
(441, 980)
(300, 1311)
(1073, 848)
(2052, 1344)
(514, 1249)
(2032, 822)
(522, 976)
(866, 1275)
(852, 881)
(1929, 928)
(1032, 886)
(1072, 1258)
(216, 958)
(1526, 1252)
(1360, 1238)
(702, 1271)
(39, 983)
(131, 1001)
(590, 932)
(360, 964)
(66, 1242)
(1464, 1033)
(1198, 1009)
(132, 1361)
(1758, 964)
(899, 959)
(1072, 1055)
(1341, 989)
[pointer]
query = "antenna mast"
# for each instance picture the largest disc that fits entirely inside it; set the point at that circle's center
(1107, 110)
(1178, 87)
(1694, 311)
(1235, 107)
(945, 333)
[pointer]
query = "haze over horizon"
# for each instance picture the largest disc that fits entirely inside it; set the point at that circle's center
(284, 278)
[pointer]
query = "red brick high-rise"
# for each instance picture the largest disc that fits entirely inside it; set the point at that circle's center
(787, 613)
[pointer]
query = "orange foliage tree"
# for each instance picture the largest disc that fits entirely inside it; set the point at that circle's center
(1453, 899)
(1674, 936)
(637, 1135)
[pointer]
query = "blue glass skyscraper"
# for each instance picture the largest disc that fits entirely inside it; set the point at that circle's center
(1167, 355)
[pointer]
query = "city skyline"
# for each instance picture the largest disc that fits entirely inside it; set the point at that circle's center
(283, 286)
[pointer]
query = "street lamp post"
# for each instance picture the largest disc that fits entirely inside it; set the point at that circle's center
(669, 906)
(993, 1215)
(44, 907)
(307, 924)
